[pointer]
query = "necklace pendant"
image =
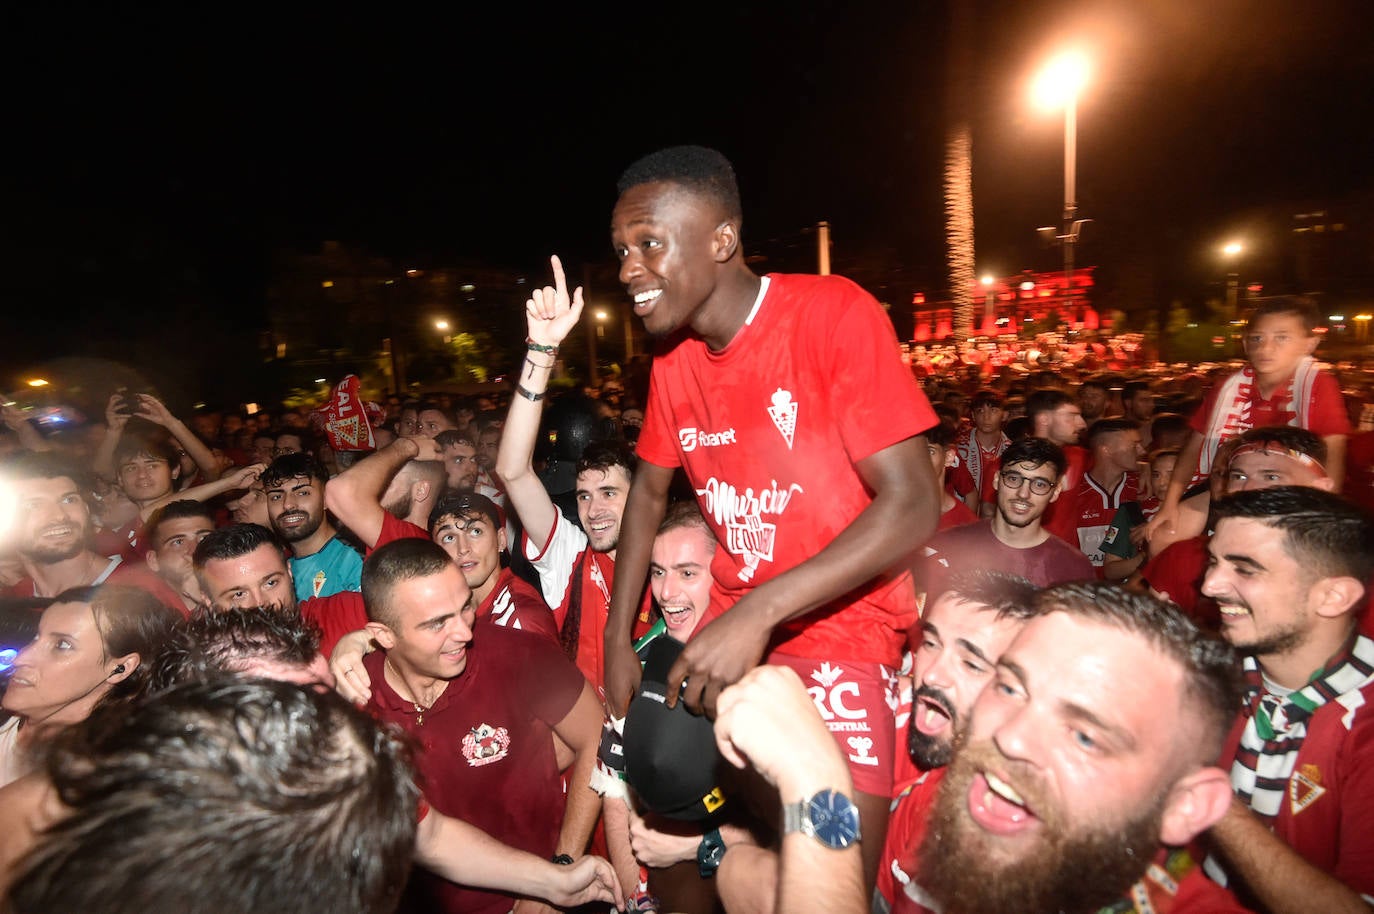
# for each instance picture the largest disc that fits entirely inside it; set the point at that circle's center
(419, 718)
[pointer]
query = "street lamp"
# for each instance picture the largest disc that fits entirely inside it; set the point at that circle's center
(1059, 85)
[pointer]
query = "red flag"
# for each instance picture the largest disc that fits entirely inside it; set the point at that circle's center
(346, 418)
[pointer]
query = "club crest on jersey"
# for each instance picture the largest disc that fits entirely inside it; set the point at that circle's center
(783, 412)
(1305, 788)
(861, 745)
(485, 744)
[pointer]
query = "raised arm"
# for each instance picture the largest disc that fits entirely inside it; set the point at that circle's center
(28, 436)
(153, 409)
(905, 499)
(355, 495)
(769, 721)
(550, 316)
(238, 478)
(115, 420)
(1166, 519)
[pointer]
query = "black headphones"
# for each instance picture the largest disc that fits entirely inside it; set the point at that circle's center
(117, 670)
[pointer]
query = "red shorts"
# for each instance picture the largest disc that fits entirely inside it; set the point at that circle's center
(855, 699)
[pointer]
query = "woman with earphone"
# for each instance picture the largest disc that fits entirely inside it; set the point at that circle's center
(93, 645)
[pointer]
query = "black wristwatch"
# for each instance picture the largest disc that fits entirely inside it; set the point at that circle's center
(827, 815)
(709, 853)
(562, 859)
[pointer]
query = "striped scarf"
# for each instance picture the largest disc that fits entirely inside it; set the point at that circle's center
(1231, 413)
(1274, 734)
(971, 453)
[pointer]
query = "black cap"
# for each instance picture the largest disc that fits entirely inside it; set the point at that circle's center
(671, 759)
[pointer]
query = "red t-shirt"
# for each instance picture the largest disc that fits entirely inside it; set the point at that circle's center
(1326, 413)
(120, 571)
(393, 528)
(906, 828)
(957, 515)
(1325, 816)
(513, 603)
(1359, 470)
(1078, 459)
(1177, 572)
(1085, 513)
(335, 616)
(485, 751)
(977, 464)
(769, 431)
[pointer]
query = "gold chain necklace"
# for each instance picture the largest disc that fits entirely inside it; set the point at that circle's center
(420, 710)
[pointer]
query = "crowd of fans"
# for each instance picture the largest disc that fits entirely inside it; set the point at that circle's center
(1033, 638)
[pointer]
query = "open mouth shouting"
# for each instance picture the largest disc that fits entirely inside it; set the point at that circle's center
(931, 713)
(677, 616)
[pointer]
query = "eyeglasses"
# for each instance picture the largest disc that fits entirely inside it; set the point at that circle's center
(1038, 484)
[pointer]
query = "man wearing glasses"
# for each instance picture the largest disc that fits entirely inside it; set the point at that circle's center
(1013, 540)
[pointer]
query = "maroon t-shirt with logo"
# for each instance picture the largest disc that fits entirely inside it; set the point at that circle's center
(485, 750)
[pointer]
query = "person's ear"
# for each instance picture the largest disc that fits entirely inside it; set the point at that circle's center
(725, 242)
(123, 667)
(151, 559)
(1336, 596)
(383, 635)
(1196, 802)
(420, 490)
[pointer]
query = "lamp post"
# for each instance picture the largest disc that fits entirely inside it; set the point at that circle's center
(1059, 84)
(1232, 250)
(989, 300)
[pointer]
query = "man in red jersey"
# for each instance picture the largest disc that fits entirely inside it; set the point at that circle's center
(804, 450)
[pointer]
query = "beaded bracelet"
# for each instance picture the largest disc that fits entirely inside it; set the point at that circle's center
(532, 346)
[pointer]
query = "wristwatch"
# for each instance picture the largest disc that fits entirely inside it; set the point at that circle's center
(828, 816)
(709, 853)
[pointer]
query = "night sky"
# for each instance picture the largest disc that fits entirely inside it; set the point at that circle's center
(165, 156)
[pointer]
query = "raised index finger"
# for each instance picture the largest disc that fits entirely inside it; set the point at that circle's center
(560, 280)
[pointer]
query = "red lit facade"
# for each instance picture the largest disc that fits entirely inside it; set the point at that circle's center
(1010, 303)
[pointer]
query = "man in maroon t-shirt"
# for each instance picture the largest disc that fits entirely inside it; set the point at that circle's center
(481, 701)
(1014, 540)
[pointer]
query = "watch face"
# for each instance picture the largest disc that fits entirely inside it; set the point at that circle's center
(834, 819)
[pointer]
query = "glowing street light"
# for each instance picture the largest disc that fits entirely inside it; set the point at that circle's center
(441, 325)
(38, 382)
(1059, 85)
(1232, 248)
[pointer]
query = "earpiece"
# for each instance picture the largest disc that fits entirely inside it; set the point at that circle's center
(117, 670)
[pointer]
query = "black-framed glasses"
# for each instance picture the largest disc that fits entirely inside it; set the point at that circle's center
(1038, 484)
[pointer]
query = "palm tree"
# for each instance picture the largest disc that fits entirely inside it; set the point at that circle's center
(959, 169)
